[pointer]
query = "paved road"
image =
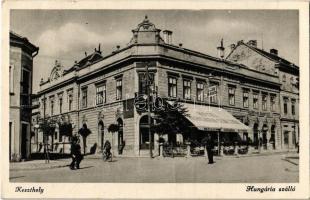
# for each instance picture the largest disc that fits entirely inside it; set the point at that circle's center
(260, 169)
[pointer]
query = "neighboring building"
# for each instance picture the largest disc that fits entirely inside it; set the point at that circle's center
(288, 73)
(99, 90)
(22, 53)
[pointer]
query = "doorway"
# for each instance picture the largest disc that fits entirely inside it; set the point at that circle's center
(120, 138)
(24, 141)
(101, 134)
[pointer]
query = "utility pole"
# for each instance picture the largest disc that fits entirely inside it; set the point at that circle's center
(148, 84)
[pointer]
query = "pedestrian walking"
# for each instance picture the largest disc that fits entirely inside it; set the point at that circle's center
(76, 155)
(107, 150)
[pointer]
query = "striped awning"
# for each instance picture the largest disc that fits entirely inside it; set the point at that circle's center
(213, 118)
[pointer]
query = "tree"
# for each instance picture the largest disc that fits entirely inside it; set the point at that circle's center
(113, 128)
(84, 132)
(47, 125)
(171, 119)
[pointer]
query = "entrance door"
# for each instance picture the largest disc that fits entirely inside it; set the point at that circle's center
(24, 141)
(120, 140)
(286, 139)
(101, 134)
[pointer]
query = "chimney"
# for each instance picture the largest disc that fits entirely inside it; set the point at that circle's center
(221, 50)
(167, 36)
(232, 46)
(252, 43)
(274, 51)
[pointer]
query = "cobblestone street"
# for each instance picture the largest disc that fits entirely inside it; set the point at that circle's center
(263, 168)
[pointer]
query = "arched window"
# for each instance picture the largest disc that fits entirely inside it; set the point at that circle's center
(144, 133)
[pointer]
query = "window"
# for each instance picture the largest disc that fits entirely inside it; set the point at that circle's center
(11, 74)
(25, 82)
(119, 89)
(84, 97)
(200, 92)
(245, 98)
(70, 100)
(283, 78)
(285, 105)
(143, 85)
(187, 89)
(293, 107)
(264, 102)
(255, 100)
(172, 87)
(231, 95)
(60, 105)
(272, 102)
(101, 94)
(212, 93)
(52, 107)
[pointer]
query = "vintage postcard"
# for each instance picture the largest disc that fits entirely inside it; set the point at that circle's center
(152, 100)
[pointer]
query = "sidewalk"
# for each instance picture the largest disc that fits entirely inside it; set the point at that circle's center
(39, 164)
(291, 157)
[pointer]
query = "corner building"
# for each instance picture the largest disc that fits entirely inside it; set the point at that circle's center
(99, 90)
(22, 53)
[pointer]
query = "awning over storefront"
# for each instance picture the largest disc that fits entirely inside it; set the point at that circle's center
(213, 118)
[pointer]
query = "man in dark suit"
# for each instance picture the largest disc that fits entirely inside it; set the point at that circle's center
(75, 153)
(209, 145)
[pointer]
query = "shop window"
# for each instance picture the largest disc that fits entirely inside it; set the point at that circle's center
(187, 89)
(172, 87)
(144, 133)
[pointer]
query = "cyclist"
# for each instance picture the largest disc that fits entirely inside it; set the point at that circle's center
(107, 150)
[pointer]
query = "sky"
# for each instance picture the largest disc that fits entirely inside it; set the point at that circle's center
(65, 35)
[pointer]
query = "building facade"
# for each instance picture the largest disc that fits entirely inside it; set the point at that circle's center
(100, 90)
(288, 73)
(22, 53)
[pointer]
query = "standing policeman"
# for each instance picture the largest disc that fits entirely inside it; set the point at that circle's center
(208, 142)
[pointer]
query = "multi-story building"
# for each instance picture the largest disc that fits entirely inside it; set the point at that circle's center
(22, 53)
(221, 95)
(288, 73)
